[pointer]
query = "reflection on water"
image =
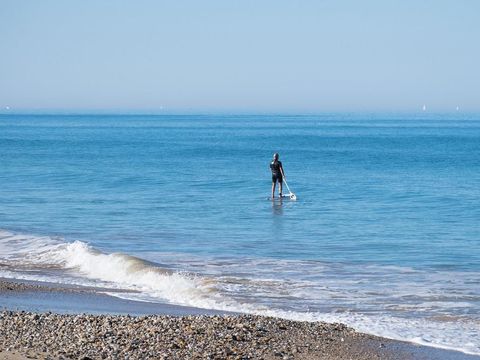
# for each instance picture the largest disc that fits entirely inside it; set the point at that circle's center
(277, 206)
(278, 219)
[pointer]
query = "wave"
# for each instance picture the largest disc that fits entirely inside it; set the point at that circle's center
(55, 260)
(116, 270)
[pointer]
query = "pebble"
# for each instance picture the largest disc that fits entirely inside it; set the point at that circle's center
(49, 335)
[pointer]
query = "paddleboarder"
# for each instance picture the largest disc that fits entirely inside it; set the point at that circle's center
(277, 175)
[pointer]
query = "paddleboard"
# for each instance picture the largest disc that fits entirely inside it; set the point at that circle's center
(290, 196)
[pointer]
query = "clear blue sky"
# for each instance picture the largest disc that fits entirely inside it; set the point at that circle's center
(246, 56)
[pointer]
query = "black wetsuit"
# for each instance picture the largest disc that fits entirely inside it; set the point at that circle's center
(276, 167)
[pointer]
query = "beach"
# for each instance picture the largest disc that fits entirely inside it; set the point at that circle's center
(103, 327)
(239, 180)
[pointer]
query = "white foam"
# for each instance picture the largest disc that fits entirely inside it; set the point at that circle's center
(119, 271)
(456, 335)
(132, 273)
(84, 265)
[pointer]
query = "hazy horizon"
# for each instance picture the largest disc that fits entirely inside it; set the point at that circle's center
(239, 57)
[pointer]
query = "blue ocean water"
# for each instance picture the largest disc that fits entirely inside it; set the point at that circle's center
(384, 235)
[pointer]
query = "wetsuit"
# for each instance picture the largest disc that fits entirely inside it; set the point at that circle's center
(276, 167)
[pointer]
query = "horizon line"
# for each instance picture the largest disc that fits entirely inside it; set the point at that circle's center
(235, 113)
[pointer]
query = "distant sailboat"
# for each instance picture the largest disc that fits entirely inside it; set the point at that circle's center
(458, 108)
(424, 107)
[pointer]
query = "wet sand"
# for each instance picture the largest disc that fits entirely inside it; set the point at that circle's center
(48, 321)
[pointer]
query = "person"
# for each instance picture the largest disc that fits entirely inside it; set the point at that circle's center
(277, 175)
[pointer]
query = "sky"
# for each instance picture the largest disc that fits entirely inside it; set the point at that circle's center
(239, 56)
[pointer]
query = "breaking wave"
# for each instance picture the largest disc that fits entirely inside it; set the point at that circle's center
(53, 259)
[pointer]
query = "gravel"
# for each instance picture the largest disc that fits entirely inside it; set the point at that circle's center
(60, 336)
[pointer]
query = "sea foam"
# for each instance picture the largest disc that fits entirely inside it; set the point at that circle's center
(32, 257)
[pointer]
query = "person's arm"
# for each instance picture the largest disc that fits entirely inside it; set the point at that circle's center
(281, 170)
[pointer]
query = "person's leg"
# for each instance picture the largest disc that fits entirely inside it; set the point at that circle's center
(280, 187)
(273, 189)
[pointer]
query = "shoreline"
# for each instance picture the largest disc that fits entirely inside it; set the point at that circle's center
(17, 295)
(45, 320)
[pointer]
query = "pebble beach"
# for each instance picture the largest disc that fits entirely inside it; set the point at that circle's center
(52, 335)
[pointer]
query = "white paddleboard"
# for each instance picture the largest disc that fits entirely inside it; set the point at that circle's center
(290, 196)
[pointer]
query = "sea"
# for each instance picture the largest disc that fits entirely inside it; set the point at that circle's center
(384, 235)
